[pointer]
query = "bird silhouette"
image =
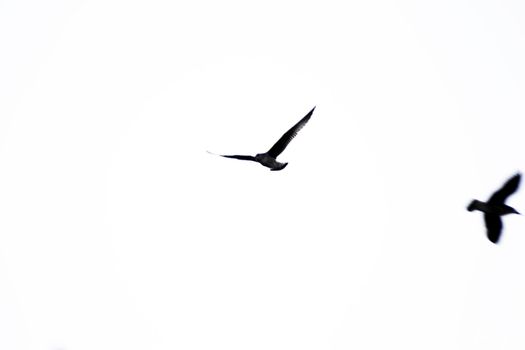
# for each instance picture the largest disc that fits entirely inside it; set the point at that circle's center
(269, 159)
(495, 208)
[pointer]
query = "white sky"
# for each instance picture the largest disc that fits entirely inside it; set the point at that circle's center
(119, 231)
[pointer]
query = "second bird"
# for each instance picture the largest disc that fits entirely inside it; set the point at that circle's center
(495, 207)
(268, 159)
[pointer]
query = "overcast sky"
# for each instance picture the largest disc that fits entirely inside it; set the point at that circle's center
(119, 231)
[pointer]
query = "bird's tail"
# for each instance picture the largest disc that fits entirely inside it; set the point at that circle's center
(281, 167)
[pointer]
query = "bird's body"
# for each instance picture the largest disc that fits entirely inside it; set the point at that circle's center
(270, 162)
(269, 159)
(495, 208)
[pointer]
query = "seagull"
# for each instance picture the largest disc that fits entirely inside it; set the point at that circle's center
(268, 159)
(495, 207)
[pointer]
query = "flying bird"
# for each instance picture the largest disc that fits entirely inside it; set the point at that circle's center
(269, 159)
(495, 207)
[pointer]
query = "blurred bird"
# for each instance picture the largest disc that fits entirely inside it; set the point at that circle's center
(495, 207)
(268, 159)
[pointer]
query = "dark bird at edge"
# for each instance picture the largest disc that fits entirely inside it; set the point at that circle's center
(495, 208)
(269, 159)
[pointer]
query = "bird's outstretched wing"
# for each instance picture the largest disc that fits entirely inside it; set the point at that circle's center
(288, 136)
(234, 156)
(506, 190)
(238, 157)
(494, 226)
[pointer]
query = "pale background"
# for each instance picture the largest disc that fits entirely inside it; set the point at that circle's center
(119, 231)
